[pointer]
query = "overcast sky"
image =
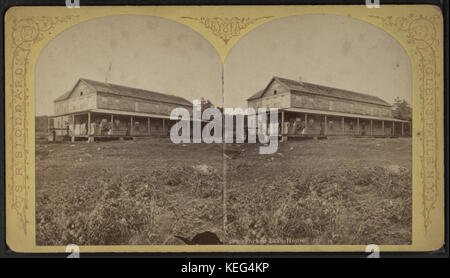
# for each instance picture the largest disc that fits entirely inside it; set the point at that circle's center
(144, 51)
(164, 56)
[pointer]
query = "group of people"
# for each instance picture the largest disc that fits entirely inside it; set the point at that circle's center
(99, 127)
(296, 126)
(299, 126)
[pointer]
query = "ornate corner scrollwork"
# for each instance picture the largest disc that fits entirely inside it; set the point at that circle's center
(421, 33)
(26, 32)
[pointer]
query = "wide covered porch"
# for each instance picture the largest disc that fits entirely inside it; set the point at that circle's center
(102, 123)
(308, 122)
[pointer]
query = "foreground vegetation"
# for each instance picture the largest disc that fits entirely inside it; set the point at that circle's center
(337, 191)
(131, 192)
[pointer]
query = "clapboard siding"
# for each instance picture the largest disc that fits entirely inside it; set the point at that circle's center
(122, 103)
(284, 93)
(81, 98)
(301, 100)
(88, 95)
(275, 96)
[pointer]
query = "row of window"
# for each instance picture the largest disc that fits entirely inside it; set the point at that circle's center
(340, 106)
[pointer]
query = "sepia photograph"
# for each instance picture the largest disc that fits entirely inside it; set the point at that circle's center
(109, 173)
(342, 173)
(222, 130)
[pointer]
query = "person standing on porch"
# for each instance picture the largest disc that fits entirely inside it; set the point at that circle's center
(298, 126)
(286, 127)
(93, 128)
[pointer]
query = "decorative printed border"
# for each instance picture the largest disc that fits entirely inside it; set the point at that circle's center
(26, 32)
(421, 33)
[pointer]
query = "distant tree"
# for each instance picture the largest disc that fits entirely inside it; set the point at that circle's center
(206, 103)
(401, 109)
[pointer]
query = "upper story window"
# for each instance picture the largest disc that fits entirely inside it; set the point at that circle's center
(274, 92)
(81, 93)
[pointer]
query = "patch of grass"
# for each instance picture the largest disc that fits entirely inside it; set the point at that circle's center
(337, 191)
(350, 206)
(124, 209)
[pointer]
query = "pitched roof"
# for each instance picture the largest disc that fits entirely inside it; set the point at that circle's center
(306, 87)
(257, 95)
(130, 92)
(64, 96)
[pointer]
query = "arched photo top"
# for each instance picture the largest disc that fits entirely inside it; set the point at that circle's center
(330, 50)
(145, 52)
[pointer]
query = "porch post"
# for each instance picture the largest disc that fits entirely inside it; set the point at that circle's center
(343, 126)
(371, 127)
(73, 128)
(402, 128)
(148, 125)
(89, 123)
(282, 122)
(112, 124)
(393, 128)
(306, 123)
(382, 127)
(357, 126)
(164, 126)
(325, 125)
(131, 127)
